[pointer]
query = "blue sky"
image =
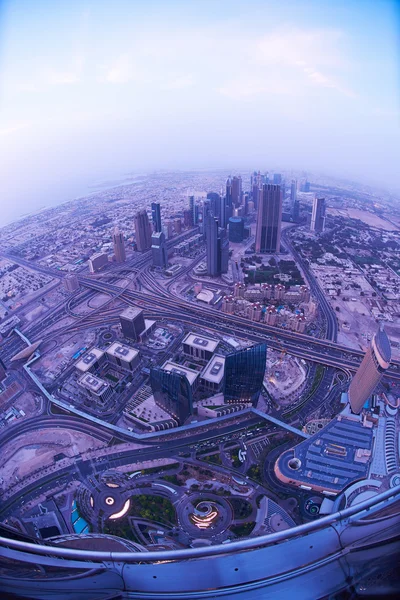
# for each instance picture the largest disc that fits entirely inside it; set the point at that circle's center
(92, 89)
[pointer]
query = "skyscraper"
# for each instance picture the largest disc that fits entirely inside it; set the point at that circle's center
(217, 246)
(269, 216)
(236, 191)
(119, 247)
(244, 374)
(318, 215)
(213, 260)
(143, 231)
(277, 179)
(156, 216)
(375, 362)
(132, 322)
(194, 209)
(159, 250)
(294, 202)
(172, 392)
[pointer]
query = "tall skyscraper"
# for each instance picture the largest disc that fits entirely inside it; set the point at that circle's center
(159, 250)
(3, 371)
(143, 231)
(294, 202)
(318, 215)
(119, 246)
(269, 217)
(217, 246)
(375, 362)
(213, 260)
(194, 209)
(132, 322)
(156, 216)
(236, 191)
(172, 392)
(244, 374)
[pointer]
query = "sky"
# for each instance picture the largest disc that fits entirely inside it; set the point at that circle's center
(90, 90)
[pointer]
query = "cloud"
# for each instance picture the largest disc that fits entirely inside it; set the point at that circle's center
(179, 83)
(120, 71)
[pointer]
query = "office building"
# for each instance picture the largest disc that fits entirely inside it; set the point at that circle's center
(132, 322)
(119, 247)
(236, 229)
(97, 389)
(236, 191)
(217, 247)
(71, 282)
(212, 376)
(375, 362)
(191, 374)
(199, 346)
(159, 250)
(142, 231)
(194, 209)
(294, 202)
(178, 226)
(90, 361)
(123, 356)
(277, 180)
(318, 215)
(244, 374)
(97, 262)
(156, 216)
(172, 392)
(187, 218)
(269, 216)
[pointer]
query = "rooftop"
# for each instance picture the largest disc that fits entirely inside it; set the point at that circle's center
(329, 458)
(215, 369)
(199, 341)
(87, 360)
(131, 312)
(122, 351)
(92, 383)
(172, 367)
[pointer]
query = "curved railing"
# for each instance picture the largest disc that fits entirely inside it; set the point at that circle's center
(327, 554)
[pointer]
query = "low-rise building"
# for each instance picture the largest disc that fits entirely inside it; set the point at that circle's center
(123, 356)
(212, 376)
(97, 388)
(199, 346)
(191, 375)
(90, 361)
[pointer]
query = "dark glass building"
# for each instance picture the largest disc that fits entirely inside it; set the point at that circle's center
(156, 216)
(269, 217)
(236, 229)
(244, 374)
(172, 392)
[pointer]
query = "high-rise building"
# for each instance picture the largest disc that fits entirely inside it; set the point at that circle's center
(194, 209)
(269, 216)
(156, 216)
(236, 190)
(178, 226)
(172, 392)
(71, 282)
(143, 231)
(132, 322)
(244, 374)
(119, 247)
(375, 362)
(293, 191)
(277, 179)
(97, 262)
(318, 215)
(217, 246)
(236, 229)
(159, 250)
(187, 218)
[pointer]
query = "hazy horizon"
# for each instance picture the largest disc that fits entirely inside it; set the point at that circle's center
(90, 91)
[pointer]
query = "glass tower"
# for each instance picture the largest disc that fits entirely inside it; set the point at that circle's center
(244, 374)
(172, 392)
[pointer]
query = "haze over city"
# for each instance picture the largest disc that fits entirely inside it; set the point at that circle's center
(90, 91)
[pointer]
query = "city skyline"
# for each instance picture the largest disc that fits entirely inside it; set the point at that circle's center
(304, 85)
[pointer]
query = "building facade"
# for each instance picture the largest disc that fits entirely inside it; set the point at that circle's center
(71, 282)
(123, 356)
(172, 392)
(119, 247)
(244, 374)
(142, 231)
(98, 262)
(374, 364)
(156, 216)
(159, 250)
(132, 323)
(318, 215)
(236, 229)
(269, 216)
